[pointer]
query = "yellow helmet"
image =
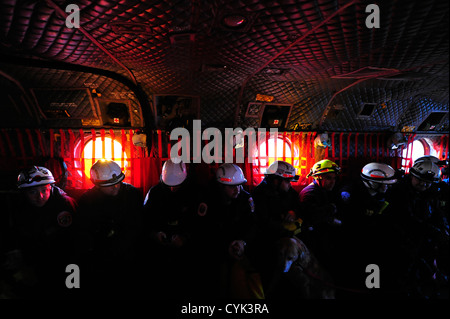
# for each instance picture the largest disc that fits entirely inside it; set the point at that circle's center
(323, 167)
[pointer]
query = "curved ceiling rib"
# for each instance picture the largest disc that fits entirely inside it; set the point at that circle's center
(63, 15)
(327, 108)
(28, 101)
(381, 75)
(58, 65)
(297, 41)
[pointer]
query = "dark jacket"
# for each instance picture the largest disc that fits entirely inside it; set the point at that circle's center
(419, 238)
(45, 233)
(363, 233)
(357, 203)
(173, 213)
(113, 223)
(272, 206)
(229, 219)
(318, 205)
(321, 235)
(46, 238)
(416, 216)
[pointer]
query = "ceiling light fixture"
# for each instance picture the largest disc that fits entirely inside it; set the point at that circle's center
(264, 98)
(274, 71)
(234, 20)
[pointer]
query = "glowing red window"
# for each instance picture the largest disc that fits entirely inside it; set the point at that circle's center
(87, 152)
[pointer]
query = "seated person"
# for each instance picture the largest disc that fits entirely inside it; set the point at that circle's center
(277, 203)
(41, 241)
(110, 217)
(170, 211)
(229, 235)
(320, 212)
(418, 266)
(363, 203)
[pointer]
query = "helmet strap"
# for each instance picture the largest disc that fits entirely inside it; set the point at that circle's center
(373, 188)
(318, 179)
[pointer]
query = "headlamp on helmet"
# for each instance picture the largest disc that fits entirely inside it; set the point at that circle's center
(323, 167)
(426, 171)
(230, 174)
(35, 176)
(283, 170)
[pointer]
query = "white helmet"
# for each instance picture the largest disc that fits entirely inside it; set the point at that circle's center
(173, 172)
(35, 176)
(230, 174)
(433, 159)
(282, 169)
(379, 173)
(106, 173)
(426, 170)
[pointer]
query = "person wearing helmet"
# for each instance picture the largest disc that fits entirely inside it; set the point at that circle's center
(277, 203)
(166, 203)
(317, 197)
(170, 211)
(42, 235)
(377, 177)
(324, 173)
(278, 210)
(367, 195)
(420, 233)
(423, 174)
(232, 178)
(229, 233)
(363, 204)
(320, 211)
(173, 174)
(239, 209)
(434, 159)
(110, 216)
(441, 188)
